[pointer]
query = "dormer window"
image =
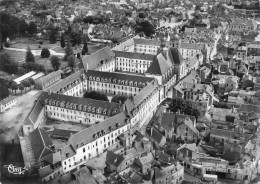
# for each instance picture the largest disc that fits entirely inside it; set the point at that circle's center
(122, 82)
(135, 84)
(90, 78)
(104, 111)
(84, 108)
(62, 104)
(80, 107)
(75, 106)
(46, 101)
(93, 109)
(58, 103)
(111, 128)
(98, 79)
(114, 81)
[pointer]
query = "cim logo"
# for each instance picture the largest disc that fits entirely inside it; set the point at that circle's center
(15, 170)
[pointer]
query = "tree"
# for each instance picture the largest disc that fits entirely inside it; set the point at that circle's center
(4, 92)
(21, 87)
(68, 51)
(85, 48)
(53, 36)
(71, 61)
(62, 41)
(119, 99)
(95, 95)
(32, 28)
(37, 86)
(7, 64)
(146, 27)
(55, 62)
(45, 53)
(29, 57)
(141, 15)
(26, 84)
(32, 82)
(14, 86)
(184, 106)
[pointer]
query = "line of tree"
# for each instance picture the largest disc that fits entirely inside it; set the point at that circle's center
(11, 26)
(188, 107)
(146, 27)
(95, 95)
(119, 99)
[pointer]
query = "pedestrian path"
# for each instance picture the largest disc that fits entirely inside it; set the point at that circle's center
(35, 52)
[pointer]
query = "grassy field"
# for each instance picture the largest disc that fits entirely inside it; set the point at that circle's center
(33, 43)
(15, 55)
(47, 63)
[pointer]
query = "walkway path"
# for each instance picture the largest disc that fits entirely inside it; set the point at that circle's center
(36, 52)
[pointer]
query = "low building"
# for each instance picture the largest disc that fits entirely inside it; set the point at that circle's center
(7, 103)
(48, 80)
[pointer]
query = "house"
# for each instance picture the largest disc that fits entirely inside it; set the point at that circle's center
(7, 103)
(143, 164)
(114, 162)
(170, 122)
(188, 152)
(155, 135)
(173, 173)
(187, 132)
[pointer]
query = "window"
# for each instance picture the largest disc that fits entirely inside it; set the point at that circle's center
(83, 150)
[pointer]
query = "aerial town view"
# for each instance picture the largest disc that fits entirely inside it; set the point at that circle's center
(129, 91)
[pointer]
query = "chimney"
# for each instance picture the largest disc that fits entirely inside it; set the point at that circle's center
(49, 92)
(151, 131)
(115, 160)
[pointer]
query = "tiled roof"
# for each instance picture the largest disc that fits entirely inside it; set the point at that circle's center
(48, 77)
(81, 104)
(34, 114)
(87, 135)
(193, 46)
(93, 61)
(249, 108)
(67, 81)
(41, 143)
(243, 22)
(61, 133)
(146, 91)
(67, 151)
(152, 42)
(157, 174)
(7, 100)
(229, 134)
(53, 158)
(174, 56)
(118, 78)
(134, 55)
(155, 134)
(189, 124)
(114, 159)
(160, 65)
